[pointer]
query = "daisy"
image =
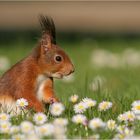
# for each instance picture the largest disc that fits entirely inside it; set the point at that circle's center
(89, 102)
(122, 117)
(80, 107)
(128, 132)
(5, 127)
(79, 119)
(56, 109)
(105, 105)
(32, 136)
(26, 127)
(45, 130)
(136, 108)
(128, 116)
(96, 123)
(97, 83)
(119, 137)
(59, 132)
(4, 117)
(22, 102)
(40, 118)
(60, 121)
(18, 137)
(74, 98)
(4, 63)
(94, 137)
(14, 129)
(111, 124)
(122, 129)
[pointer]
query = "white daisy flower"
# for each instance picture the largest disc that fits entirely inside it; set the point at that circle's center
(59, 132)
(26, 127)
(80, 107)
(44, 130)
(111, 124)
(128, 132)
(97, 83)
(5, 127)
(119, 137)
(94, 137)
(128, 116)
(18, 137)
(122, 117)
(79, 119)
(89, 102)
(96, 123)
(74, 98)
(22, 102)
(136, 108)
(14, 129)
(32, 136)
(40, 118)
(122, 129)
(57, 109)
(60, 121)
(105, 105)
(4, 117)
(4, 63)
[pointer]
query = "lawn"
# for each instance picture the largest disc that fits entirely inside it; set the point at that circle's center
(118, 83)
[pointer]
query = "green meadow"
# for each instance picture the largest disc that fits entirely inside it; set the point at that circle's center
(121, 84)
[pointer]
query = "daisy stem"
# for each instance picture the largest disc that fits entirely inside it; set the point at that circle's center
(86, 129)
(80, 130)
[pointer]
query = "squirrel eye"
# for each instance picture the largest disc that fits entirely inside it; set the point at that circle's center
(58, 58)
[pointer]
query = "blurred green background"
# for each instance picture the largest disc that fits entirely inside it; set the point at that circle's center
(102, 39)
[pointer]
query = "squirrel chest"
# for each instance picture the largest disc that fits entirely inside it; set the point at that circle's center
(42, 83)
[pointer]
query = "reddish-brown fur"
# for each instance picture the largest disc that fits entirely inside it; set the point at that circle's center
(20, 80)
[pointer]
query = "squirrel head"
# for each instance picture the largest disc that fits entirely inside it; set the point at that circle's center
(53, 60)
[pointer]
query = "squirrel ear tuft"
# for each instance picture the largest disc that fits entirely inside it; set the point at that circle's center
(45, 42)
(48, 27)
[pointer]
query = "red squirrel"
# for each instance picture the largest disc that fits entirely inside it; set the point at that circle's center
(32, 77)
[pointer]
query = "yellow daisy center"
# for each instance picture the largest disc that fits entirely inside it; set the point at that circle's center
(96, 124)
(21, 103)
(105, 105)
(40, 118)
(79, 120)
(3, 117)
(43, 130)
(4, 126)
(56, 109)
(130, 116)
(74, 99)
(138, 107)
(81, 107)
(17, 138)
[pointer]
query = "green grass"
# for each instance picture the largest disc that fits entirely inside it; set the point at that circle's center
(122, 85)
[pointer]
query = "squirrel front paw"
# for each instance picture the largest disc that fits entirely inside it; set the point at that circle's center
(51, 100)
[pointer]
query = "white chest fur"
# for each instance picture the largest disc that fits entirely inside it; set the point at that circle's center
(40, 86)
